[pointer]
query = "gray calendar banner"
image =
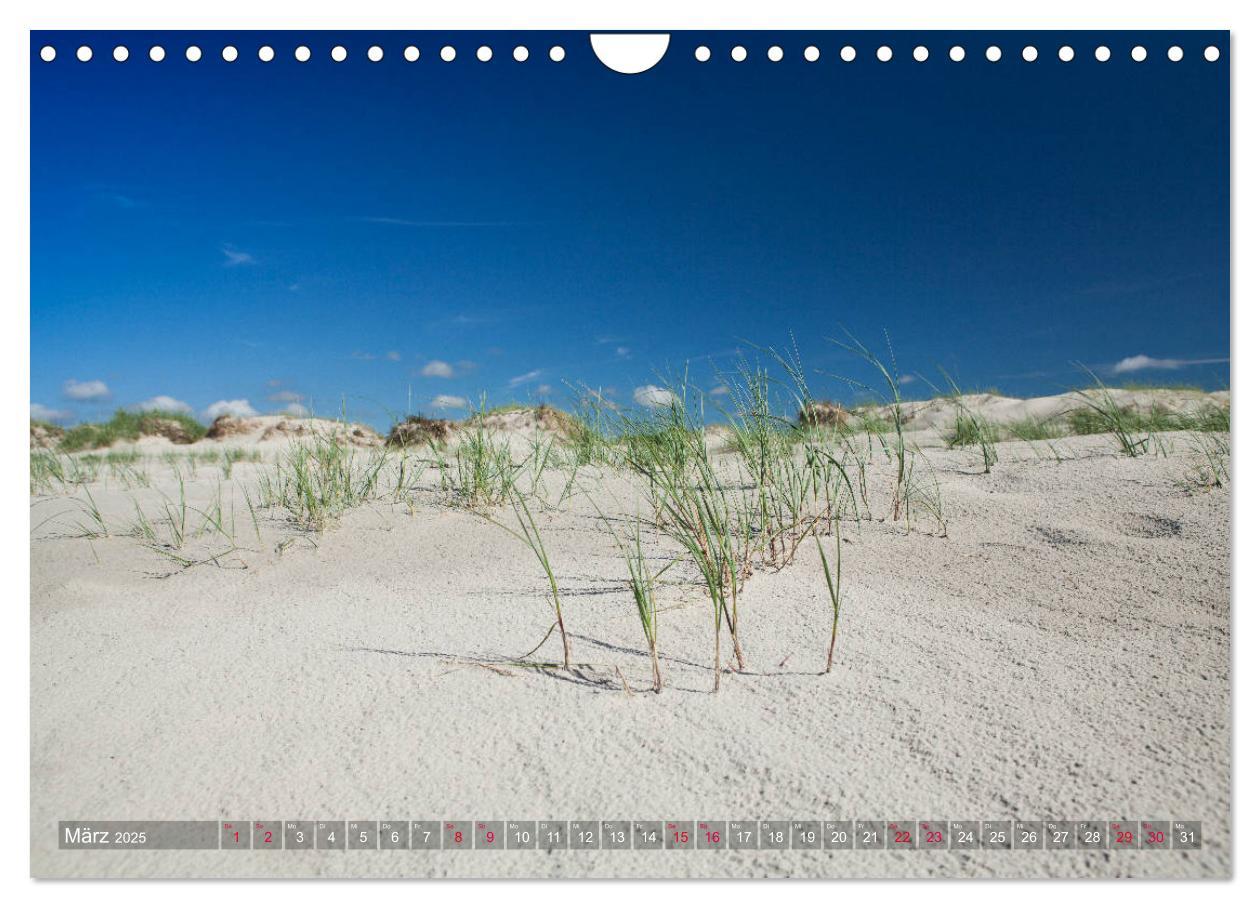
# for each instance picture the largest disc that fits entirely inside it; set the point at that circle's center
(627, 835)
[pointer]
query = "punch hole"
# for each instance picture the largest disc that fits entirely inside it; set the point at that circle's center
(630, 54)
(1175, 54)
(1030, 54)
(703, 54)
(193, 53)
(774, 54)
(157, 53)
(1138, 54)
(266, 53)
(48, 53)
(848, 54)
(1067, 54)
(1102, 54)
(812, 54)
(447, 54)
(485, 54)
(884, 54)
(302, 53)
(993, 53)
(921, 54)
(375, 54)
(84, 54)
(411, 53)
(229, 54)
(556, 54)
(121, 54)
(1211, 53)
(957, 53)
(520, 53)
(739, 54)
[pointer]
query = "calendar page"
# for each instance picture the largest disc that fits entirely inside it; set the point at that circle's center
(660, 454)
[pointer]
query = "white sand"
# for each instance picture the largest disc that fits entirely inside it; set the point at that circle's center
(939, 413)
(1063, 654)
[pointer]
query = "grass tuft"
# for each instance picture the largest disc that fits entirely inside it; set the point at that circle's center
(529, 534)
(318, 480)
(127, 425)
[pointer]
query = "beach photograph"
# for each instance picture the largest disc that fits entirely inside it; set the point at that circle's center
(451, 457)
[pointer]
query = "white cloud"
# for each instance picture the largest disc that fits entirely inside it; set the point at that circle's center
(235, 257)
(653, 396)
(543, 389)
(296, 409)
(623, 352)
(229, 408)
(163, 402)
(85, 390)
(905, 379)
(48, 414)
(285, 397)
(719, 391)
(531, 375)
(448, 402)
(437, 369)
(1142, 361)
(393, 356)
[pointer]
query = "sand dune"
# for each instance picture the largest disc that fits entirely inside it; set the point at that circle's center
(939, 412)
(1063, 652)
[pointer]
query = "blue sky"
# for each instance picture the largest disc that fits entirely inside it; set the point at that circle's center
(343, 235)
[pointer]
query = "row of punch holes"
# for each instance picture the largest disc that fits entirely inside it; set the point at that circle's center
(703, 53)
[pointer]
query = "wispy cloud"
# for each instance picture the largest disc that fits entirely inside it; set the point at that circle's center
(1142, 362)
(448, 402)
(238, 407)
(411, 222)
(531, 375)
(905, 379)
(653, 396)
(719, 391)
(620, 350)
(489, 316)
(285, 397)
(163, 402)
(234, 257)
(48, 414)
(392, 355)
(296, 409)
(119, 200)
(437, 369)
(85, 390)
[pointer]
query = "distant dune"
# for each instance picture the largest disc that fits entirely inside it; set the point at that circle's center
(937, 414)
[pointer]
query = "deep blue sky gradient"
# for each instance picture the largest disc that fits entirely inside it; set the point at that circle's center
(1001, 220)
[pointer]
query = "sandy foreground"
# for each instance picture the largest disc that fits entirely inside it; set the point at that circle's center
(1062, 653)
